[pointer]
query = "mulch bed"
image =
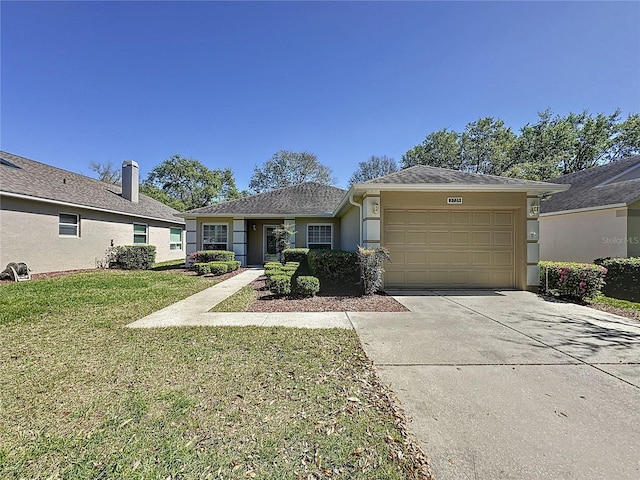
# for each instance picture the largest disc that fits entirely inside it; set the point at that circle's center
(267, 302)
(632, 314)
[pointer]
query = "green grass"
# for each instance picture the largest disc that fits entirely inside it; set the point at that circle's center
(614, 302)
(83, 397)
(238, 302)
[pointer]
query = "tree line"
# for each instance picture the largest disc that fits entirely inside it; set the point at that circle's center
(555, 145)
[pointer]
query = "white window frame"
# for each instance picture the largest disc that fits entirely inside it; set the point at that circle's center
(146, 233)
(65, 224)
(173, 246)
(330, 225)
(207, 224)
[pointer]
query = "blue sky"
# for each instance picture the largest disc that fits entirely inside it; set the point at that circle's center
(232, 83)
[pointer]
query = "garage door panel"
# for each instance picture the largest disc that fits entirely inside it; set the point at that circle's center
(417, 217)
(461, 258)
(482, 259)
(439, 258)
(503, 239)
(416, 237)
(395, 237)
(439, 237)
(461, 238)
(481, 218)
(437, 217)
(416, 258)
(456, 248)
(460, 218)
(481, 238)
(503, 219)
(395, 217)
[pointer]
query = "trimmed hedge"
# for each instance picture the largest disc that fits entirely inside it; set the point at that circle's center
(233, 265)
(133, 257)
(576, 281)
(623, 277)
(307, 286)
(215, 268)
(299, 255)
(280, 284)
(206, 256)
(334, 266)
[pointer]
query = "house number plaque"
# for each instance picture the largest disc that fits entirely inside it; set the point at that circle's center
(454, 200)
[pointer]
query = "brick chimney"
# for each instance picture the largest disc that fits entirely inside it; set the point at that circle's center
(130, 180)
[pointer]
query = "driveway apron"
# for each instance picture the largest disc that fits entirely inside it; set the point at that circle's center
(508, 385)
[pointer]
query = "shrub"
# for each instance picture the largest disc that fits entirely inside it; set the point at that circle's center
(575, 281)
(202, 268)
(307, 286)
(272, 265)
(218, 268)
(206, 256)
(133, 257)
(233, 265)
(371, 262)
(290, 267)
(297, 255)
(334, 266)
(280, 284)
(623, 278)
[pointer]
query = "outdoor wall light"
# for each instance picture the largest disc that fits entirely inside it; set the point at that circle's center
(254, 227)
(376, 208)
(533, 207)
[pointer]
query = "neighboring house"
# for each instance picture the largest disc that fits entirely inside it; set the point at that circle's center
(599, 216)
(444, 228)
(54, 220)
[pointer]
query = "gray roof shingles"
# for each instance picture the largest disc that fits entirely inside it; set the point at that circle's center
(304, 199)
(421, 174)
(587, 191)
(41, 181)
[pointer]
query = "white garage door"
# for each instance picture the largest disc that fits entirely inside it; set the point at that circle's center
(449, 248)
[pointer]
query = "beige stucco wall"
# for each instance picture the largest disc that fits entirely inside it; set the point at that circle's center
(584, 236)
(29, 233)
(633, 230)
(470, 200)
(350, 229)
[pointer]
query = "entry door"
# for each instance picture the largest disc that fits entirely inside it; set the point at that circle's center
(269, 250)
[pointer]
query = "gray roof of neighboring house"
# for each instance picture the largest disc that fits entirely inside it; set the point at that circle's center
(44, 182)
(420, 174)
(304, 199)
(587, 189)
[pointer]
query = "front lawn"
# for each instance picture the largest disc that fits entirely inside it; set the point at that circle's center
(83, 397)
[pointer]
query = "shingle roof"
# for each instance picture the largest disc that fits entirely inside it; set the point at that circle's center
(40, 181)
(587, 189)
(422, 174)
(305, 199)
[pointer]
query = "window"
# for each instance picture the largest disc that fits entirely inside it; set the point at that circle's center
(68, 224)
(214, 236)
(140, 234)
(320, 236)
(175, 239)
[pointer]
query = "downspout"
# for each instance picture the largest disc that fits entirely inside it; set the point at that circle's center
(359, 208)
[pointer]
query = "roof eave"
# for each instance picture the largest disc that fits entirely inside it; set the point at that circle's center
(190, 216)
(87, 207)
(542, 189)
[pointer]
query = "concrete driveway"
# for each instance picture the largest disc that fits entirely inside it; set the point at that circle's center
(509, 385)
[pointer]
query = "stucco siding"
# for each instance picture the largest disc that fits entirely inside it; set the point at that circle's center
(633, 233)
(584, 236)
(350, 229)
(29, 233)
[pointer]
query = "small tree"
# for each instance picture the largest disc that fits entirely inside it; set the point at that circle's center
(283, 236)
(371, 262)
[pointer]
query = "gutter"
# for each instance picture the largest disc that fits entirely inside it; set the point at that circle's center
(359, 205)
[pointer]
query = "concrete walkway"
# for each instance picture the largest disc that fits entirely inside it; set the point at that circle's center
(194, 311)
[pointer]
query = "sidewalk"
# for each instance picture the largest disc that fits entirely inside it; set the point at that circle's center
(194, 311)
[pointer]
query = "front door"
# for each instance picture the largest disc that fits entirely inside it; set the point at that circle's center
(270, 252)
